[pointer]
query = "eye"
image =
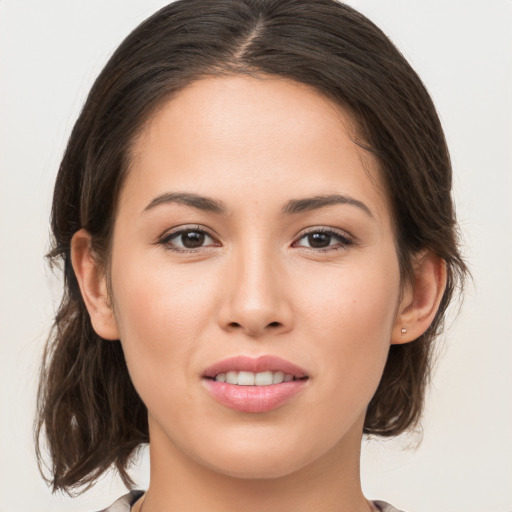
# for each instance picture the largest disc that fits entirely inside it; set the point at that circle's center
(323, 240)
(187, 240)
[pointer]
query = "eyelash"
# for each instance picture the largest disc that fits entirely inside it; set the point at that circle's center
(168, 237)
(344, 240)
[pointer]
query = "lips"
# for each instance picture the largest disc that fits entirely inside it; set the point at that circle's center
(254, 398)
(261, 364)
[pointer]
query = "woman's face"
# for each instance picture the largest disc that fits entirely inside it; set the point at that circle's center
(251, 225)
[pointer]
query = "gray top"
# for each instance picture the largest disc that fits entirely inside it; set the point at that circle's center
(124, 503)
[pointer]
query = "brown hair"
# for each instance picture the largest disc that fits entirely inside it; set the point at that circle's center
(87, 405)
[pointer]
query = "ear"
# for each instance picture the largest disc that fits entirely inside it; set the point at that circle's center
(93, 286)
(421, 299)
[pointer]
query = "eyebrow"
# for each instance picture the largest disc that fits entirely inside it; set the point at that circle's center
(313, 203)
(292, 207)
(206, 204)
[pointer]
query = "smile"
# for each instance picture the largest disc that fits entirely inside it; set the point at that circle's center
(247, 368)
(254, 379)
(254, 385)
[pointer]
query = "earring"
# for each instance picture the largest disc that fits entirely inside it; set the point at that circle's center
(403, 331)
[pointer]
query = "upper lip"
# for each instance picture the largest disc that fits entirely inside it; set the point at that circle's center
(255, 365)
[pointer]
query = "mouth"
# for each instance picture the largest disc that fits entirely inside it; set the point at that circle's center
(262, 371)
(244, 378)
(251, 385)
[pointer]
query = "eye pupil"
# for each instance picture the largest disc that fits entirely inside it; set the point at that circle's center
(192, 239)
(319, 240)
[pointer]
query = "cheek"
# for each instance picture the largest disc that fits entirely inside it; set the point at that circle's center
(351, 299)
(161, 311)
(351, 315)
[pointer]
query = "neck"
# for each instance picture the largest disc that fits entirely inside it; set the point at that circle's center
(331, 483)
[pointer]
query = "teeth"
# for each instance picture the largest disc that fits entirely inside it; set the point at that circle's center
(245, 379)
(278, 377)
(253, 379)
(232, 377)
(221, 377)
(263, 379)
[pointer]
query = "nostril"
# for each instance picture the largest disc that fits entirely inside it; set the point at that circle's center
(254, 330)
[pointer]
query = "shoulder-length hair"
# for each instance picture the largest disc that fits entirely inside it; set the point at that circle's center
(87, 406)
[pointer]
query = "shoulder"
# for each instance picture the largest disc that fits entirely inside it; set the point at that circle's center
(386, 507)
(124, 503)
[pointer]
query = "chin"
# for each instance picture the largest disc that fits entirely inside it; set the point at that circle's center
(260, 460)
(250, 469)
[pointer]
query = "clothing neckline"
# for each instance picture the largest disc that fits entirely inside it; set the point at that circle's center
(125, 503)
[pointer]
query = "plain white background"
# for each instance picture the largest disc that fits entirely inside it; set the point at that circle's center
(51, 52)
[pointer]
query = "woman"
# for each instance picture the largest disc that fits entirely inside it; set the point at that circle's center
(259, 245)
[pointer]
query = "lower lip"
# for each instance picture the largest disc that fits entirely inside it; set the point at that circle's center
(254, 398)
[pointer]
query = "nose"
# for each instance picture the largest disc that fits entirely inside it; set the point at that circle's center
(255, 298)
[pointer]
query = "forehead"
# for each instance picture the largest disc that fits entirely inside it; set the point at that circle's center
(265, 138)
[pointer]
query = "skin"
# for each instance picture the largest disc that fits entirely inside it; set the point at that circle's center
(256, 286)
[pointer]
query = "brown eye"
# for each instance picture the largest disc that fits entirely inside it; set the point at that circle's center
(187, 240)
(192, 239)
(324, 239)
(319, 240)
